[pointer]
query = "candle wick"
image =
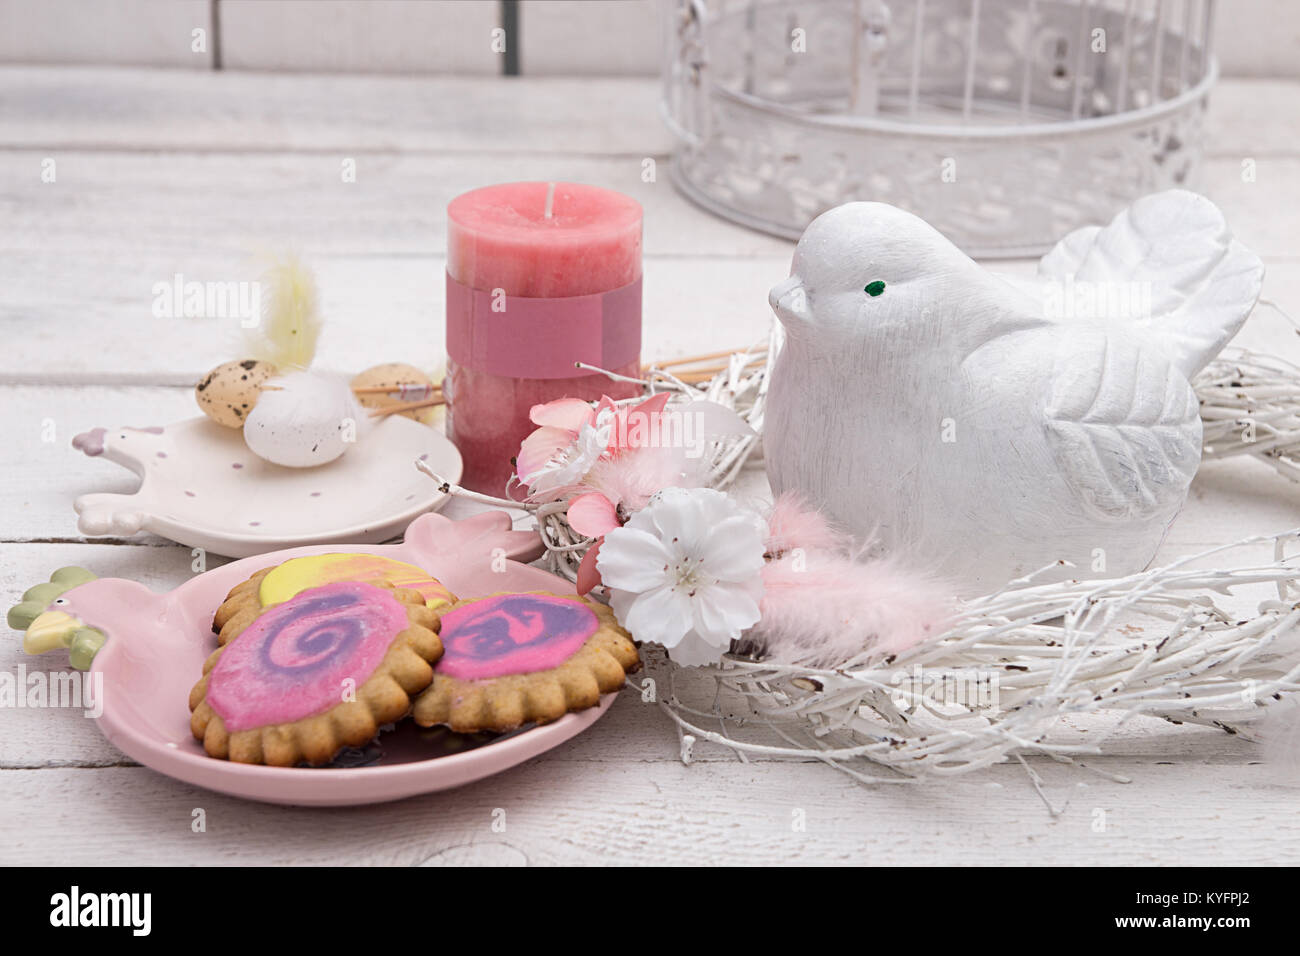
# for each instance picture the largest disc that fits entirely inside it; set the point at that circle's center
(550, 199)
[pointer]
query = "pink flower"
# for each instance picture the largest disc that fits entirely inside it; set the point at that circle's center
(593, 515)
(572, 438)
(607, 457)
(588, 573)
(634, 425)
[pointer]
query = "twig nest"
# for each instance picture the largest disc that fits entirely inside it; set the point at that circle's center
(303, 419)
(230, 391)
(404, 383)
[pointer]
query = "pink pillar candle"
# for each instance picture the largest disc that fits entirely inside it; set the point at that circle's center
(539, 276)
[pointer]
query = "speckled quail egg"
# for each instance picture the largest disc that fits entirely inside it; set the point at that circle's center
(231, 390)
(403, 383)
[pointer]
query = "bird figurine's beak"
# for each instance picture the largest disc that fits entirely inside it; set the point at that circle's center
(789, 300)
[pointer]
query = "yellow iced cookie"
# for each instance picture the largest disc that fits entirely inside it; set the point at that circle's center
(297, 574)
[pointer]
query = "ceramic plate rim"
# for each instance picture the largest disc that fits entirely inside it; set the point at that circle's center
(399, 781)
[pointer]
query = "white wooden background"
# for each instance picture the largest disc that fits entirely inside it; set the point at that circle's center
(188, 171)
(555, 37)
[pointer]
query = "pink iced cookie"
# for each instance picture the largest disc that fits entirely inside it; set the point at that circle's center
(514, 658)
(293, 660)
(331, 663)
(513, 634)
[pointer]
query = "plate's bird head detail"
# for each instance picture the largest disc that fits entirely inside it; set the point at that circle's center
(77, 610)
(49, 617)
(976, 424)
(121, 444)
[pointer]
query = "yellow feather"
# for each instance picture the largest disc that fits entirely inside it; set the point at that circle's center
(290, 326)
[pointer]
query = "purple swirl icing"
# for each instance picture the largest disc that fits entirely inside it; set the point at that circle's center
(513, 634)
(304, 650)
(298, 658)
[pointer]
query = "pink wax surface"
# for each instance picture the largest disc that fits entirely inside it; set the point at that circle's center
(500, 237)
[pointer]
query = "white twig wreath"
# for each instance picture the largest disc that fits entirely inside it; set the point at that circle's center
(1012, 664)
(1008, 666)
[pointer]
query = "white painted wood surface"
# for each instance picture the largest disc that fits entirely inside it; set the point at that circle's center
(555, 37)
(239, 161)
(120, 32)
(569, 37)
(377, 36)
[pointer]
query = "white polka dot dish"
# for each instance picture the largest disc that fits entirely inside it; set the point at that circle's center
(202, 487)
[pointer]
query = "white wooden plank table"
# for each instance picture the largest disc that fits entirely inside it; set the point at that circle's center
(161, 173)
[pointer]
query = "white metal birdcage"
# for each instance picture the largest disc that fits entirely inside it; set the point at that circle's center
(1004, 123)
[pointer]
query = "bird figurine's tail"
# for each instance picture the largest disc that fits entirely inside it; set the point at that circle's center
(1172, 253)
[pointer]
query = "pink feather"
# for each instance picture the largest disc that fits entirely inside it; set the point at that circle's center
(631, 478)
(792, 524)
(825, 606)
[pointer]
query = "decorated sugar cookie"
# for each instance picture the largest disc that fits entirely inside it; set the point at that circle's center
(511, 659)
(314, 674)
(286, 580)
(280, 583)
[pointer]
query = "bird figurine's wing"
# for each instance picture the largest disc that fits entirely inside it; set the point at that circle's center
(1172, 252)
(1123, 424)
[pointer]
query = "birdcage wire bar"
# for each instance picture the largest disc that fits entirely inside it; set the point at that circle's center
(1005, 123)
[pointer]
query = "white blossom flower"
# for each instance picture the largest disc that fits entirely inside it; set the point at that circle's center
(684, 572)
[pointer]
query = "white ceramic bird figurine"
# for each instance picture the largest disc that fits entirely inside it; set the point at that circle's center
(988, 429)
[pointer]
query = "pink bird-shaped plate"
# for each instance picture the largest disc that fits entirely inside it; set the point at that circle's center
(154, 646)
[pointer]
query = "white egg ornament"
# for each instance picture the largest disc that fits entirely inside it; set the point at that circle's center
(304, 419)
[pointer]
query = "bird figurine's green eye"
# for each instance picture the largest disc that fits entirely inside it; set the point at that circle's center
(874, 289)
